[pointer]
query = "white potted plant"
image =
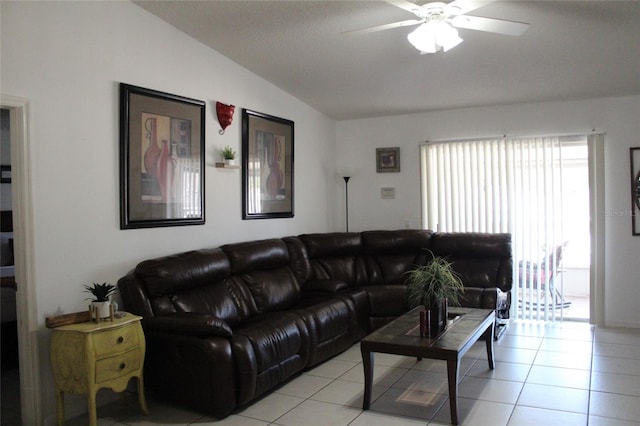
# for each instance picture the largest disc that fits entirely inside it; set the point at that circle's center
(229, 156)
(101, 302)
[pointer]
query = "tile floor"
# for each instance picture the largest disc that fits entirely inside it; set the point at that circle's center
(557, 374)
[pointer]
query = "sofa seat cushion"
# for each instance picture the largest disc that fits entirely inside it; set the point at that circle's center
(332, 326)
(484, 298)
(387, 300)
(269, 349)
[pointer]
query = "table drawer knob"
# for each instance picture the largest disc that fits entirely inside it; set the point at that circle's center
(123, 366)
(120, 339)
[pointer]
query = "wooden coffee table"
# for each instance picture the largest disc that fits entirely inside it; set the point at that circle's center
(402, 337)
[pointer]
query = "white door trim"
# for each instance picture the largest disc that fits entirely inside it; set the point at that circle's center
(23, 224)
(596, 200)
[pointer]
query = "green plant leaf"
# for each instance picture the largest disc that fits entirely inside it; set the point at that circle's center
(434, 281)
(100, 292)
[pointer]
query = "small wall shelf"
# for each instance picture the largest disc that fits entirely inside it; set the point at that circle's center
(225, 166)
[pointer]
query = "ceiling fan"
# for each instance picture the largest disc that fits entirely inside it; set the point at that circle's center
(438, 22)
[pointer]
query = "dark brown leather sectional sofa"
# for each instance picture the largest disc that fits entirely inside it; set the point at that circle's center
(227, 325)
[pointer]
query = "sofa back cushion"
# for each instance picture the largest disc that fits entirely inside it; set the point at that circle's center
(482, 259)
(336, 256)
(390, 254)
(264, 268)
(194, 281)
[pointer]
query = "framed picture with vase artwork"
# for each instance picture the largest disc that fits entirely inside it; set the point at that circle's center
(161, 159)
(267, 166)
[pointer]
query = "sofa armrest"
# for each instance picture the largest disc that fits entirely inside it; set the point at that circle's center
(189, 323)
(324, 286)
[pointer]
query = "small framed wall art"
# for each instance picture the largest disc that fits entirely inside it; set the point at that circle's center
(267, 166)
(5, 174)
(387, 160)
(161, 159)
(635, 190)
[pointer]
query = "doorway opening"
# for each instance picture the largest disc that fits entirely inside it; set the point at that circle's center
(10, 379)
(30, 386)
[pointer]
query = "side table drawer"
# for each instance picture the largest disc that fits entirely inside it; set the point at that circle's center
(118, 366)
(114, 341)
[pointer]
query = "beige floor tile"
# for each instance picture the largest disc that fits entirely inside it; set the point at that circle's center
(372, 418)
(232, 420)
(581, 347)
(608, 364)
(316, 413)
(616, 350)
(531, 416)
(563, 360)
(472, 412)
(556, 376)
(347, 393)
(521, 342)
(409, 403)
(333, 368)
(424, 381)
(615, 383)
(502, 371)
(304, 386)
(271, 407)
(489, 390)
(610, 405)
(554, 398)
(519, 356)
(382, 375)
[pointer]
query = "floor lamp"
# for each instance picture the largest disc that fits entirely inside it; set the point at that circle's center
(346, 200)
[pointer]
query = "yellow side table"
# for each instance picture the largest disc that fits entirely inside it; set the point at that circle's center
(89, 356)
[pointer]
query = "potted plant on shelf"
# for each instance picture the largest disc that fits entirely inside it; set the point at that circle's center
(101, 302)
(229, 156)
(434, 285)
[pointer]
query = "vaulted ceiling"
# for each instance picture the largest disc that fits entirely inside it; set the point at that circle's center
(572, 50)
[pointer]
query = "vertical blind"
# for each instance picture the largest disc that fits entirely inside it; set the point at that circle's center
(504, 185)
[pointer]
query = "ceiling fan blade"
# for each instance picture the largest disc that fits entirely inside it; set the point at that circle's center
(460, 7)
(385, 27)
(409, 6)
(491, 25)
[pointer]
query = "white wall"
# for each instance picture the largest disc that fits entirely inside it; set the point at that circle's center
(67, 59)
(618, 117)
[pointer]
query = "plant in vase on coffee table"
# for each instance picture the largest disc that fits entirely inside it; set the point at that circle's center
(434, 285)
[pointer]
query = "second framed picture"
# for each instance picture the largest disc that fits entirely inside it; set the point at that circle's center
(267, 166)
(635, 190)
(387, 160)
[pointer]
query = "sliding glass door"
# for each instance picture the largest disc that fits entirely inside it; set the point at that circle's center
(537, 189)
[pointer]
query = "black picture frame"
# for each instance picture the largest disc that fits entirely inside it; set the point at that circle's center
(634, 160)
(161, 159)
(5, 174)
(267, 166)
(388, 160)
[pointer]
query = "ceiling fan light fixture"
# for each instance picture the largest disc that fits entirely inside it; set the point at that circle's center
(433, 35)
(447, 36)
(423, 38)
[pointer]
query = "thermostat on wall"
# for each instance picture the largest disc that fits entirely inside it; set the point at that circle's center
(387, 193)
